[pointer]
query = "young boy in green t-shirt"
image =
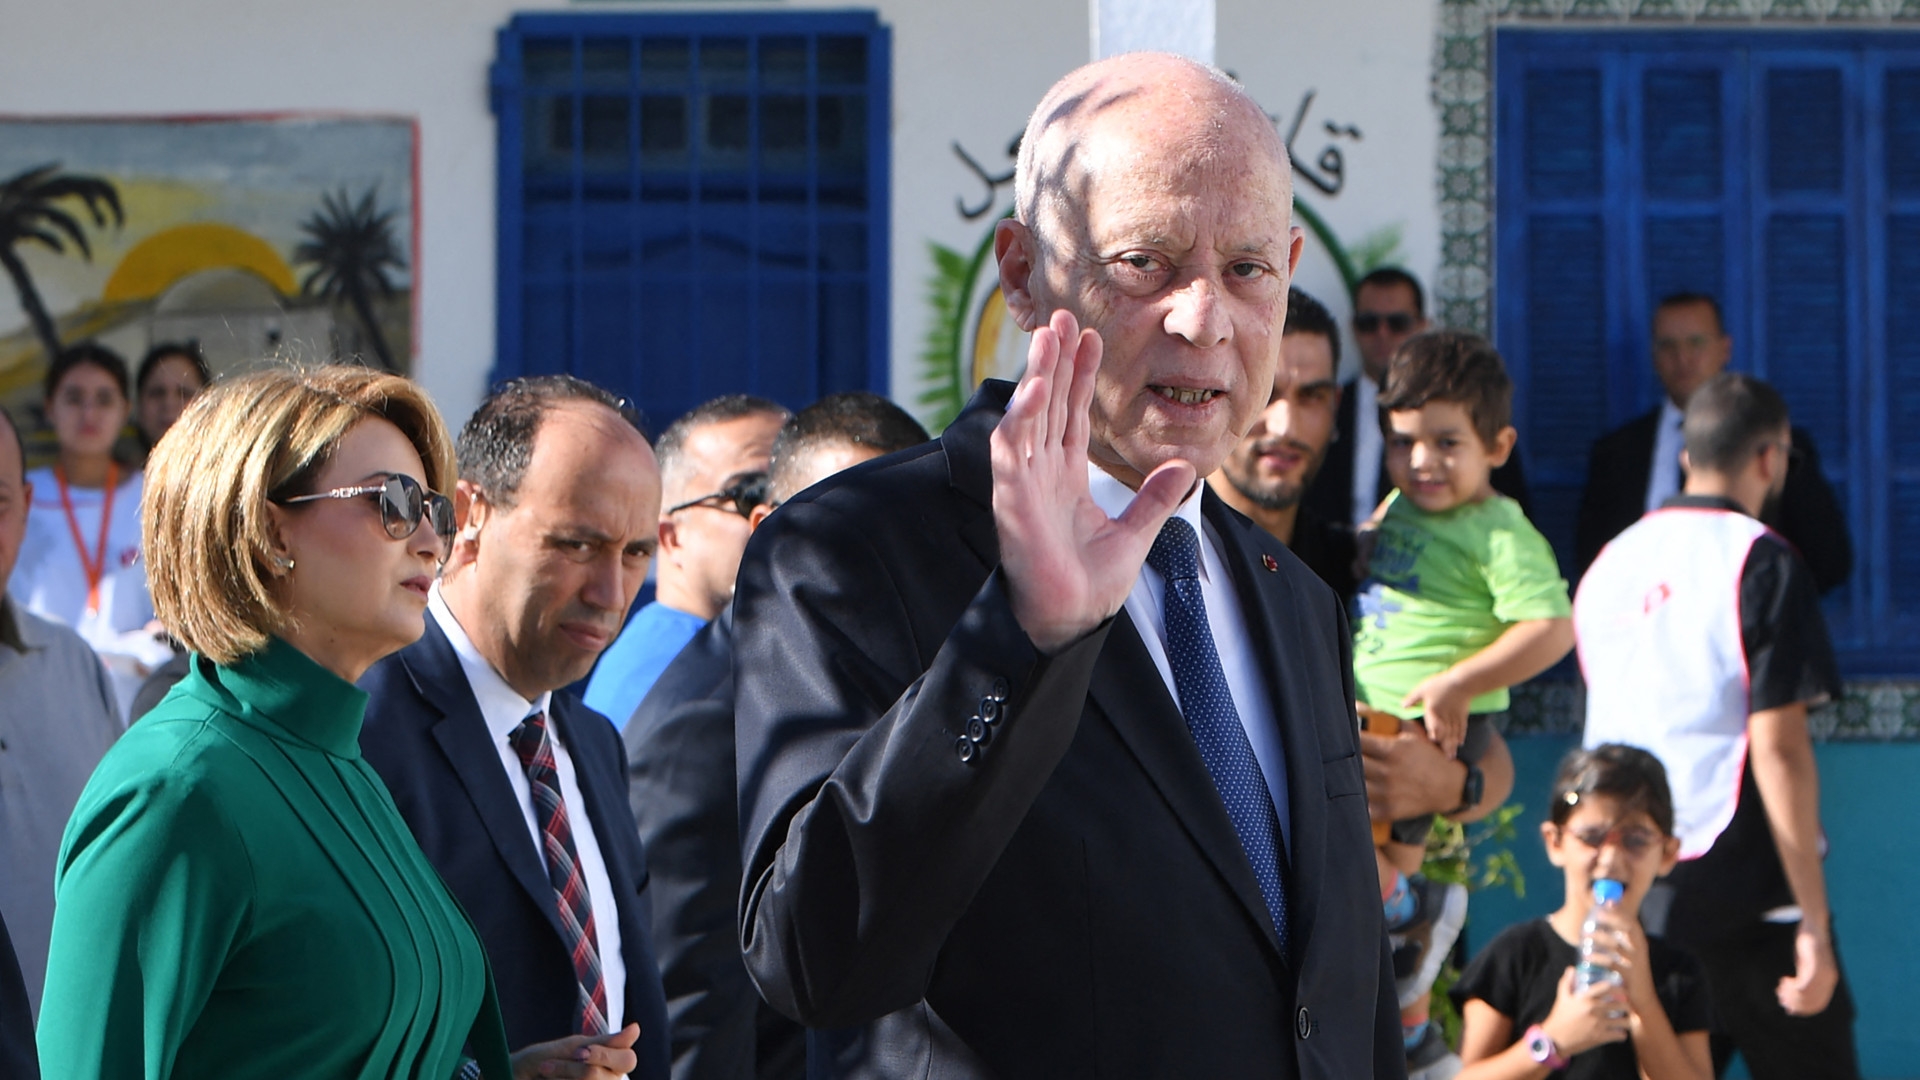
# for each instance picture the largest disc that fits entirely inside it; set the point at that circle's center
(1463, 599)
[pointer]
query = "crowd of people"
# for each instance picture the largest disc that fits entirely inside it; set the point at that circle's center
(1100, 735)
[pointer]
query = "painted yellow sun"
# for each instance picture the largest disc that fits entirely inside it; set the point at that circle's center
(154, 264)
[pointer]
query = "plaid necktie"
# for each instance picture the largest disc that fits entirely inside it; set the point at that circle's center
(1211, 716)
(530, 740)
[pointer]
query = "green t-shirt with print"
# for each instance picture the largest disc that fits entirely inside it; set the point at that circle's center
(1442, 587)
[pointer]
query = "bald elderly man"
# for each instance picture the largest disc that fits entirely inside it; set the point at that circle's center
(1047, 758)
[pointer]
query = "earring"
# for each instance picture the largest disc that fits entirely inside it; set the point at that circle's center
(285, 565)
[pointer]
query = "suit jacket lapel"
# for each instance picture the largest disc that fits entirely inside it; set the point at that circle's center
(462, 735)
(1272, 610)
(1128, 688)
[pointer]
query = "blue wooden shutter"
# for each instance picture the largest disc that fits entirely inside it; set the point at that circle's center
(695, 204)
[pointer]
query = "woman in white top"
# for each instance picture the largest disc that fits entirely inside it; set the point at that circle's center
(80, 561)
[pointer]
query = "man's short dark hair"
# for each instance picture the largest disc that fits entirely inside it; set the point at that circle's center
(1685, 299)
(1451, 365)
(857, 418)
(673, 441)
(1305, 315)
(88, 352)
(496, 445)
(1628, 774)
(1388, 276)
(1729, 418)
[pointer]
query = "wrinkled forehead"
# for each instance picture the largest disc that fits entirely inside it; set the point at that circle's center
(1114, 132)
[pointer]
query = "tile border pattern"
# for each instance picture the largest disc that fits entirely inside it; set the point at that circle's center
(1877, 711)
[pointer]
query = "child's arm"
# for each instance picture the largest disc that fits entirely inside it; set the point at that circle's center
(1491, 1050)
(1524, 650)
(1663, 1053)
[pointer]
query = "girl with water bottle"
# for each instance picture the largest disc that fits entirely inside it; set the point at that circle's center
(1636, 1009)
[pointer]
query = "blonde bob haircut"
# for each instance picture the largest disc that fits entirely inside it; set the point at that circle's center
(205, 528)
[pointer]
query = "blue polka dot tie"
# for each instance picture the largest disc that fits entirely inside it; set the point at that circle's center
(1211, 716)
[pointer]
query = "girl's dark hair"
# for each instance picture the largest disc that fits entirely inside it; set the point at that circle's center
(185, 350)
(87, 352)
(1626, 773)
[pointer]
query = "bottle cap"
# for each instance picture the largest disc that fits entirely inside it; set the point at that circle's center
(1608, 891)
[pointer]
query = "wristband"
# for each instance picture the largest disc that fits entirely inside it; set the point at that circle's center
(1541, 1048)
(1472, 790)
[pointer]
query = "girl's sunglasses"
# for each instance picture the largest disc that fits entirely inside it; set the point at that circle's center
(403, 504)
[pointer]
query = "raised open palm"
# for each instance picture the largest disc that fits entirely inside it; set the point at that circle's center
(1068, 565)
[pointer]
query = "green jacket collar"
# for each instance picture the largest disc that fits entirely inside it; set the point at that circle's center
(285, 693)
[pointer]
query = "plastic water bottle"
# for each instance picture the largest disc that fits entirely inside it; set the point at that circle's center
(1593, 938)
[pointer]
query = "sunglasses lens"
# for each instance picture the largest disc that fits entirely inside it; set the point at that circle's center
(440, 512)
(748, 493)
(1366, 324)
(400, 504)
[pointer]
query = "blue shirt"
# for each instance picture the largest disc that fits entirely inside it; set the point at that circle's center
(630, 666)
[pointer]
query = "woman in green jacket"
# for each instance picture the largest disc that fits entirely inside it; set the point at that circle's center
(236, 895)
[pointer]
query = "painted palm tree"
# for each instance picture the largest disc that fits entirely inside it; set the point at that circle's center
(351, 247)
(29, 212)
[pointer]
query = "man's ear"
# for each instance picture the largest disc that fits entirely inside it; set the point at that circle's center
(1014, 250)
(669, 539)
(1550, 839)
(471, 512)
(759, 515)
(1502, 447)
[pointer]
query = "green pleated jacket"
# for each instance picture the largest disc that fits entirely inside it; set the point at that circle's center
(237, 897)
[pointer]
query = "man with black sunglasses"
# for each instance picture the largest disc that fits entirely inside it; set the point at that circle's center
(1388, 308)
(713, 472)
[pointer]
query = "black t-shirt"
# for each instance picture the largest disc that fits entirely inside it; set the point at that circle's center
(1789, 660)
(1518, 973)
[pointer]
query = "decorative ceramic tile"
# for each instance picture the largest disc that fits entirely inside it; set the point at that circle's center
(1662, 9)
(1866, 712)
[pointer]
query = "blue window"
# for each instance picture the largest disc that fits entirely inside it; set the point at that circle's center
(1777, 172)
(694, 205)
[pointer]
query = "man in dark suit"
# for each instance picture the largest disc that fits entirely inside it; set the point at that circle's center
(18, 1060)
(1048, 764)
(685, 797)
(1636, 467)
(1389, 306)
(514, 789)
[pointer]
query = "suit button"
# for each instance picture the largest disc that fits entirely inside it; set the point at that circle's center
(1302, 1023)
(999, 690)
(990, 710)
(978, 731)
(966, 749)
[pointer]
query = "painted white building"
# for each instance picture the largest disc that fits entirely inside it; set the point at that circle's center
(963, 73)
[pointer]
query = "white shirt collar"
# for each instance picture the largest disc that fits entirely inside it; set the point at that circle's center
(500, 705)
(1114, 497)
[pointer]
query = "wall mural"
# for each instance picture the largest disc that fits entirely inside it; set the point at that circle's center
(252, 236)
(969, 337)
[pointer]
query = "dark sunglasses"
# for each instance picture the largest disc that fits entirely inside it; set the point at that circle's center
(403, 504)
(747, 491)
(1367, 323)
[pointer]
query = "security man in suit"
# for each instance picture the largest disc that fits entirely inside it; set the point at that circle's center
(514, 789)
(1048, 763)
(1635, 468)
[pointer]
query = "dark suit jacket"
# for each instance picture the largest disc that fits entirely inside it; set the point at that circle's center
(1806, 513)
(18, 1060)
(685, 800)
(425, 736)
(1331, 493)
(1074, 900)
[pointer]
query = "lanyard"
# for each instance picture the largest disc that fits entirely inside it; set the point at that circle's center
(95, 567)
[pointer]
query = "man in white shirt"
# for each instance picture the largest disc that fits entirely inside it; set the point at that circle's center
(514, 789)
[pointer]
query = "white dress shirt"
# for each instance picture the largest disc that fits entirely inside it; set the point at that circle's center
(1367, 448)
(504, 709)
(1663, 480)
(1146, 606)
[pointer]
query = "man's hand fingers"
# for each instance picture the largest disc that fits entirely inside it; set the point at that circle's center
(1086, 368)
(1066, 370)
(1159, 496)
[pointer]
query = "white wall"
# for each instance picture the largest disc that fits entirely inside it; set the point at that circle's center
(965, 70)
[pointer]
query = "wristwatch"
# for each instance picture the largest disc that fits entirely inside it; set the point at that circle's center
(1541, 1049)
(1471, 790)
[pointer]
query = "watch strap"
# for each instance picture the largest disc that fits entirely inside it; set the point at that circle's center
(1543, 1050)
(1473, 788)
